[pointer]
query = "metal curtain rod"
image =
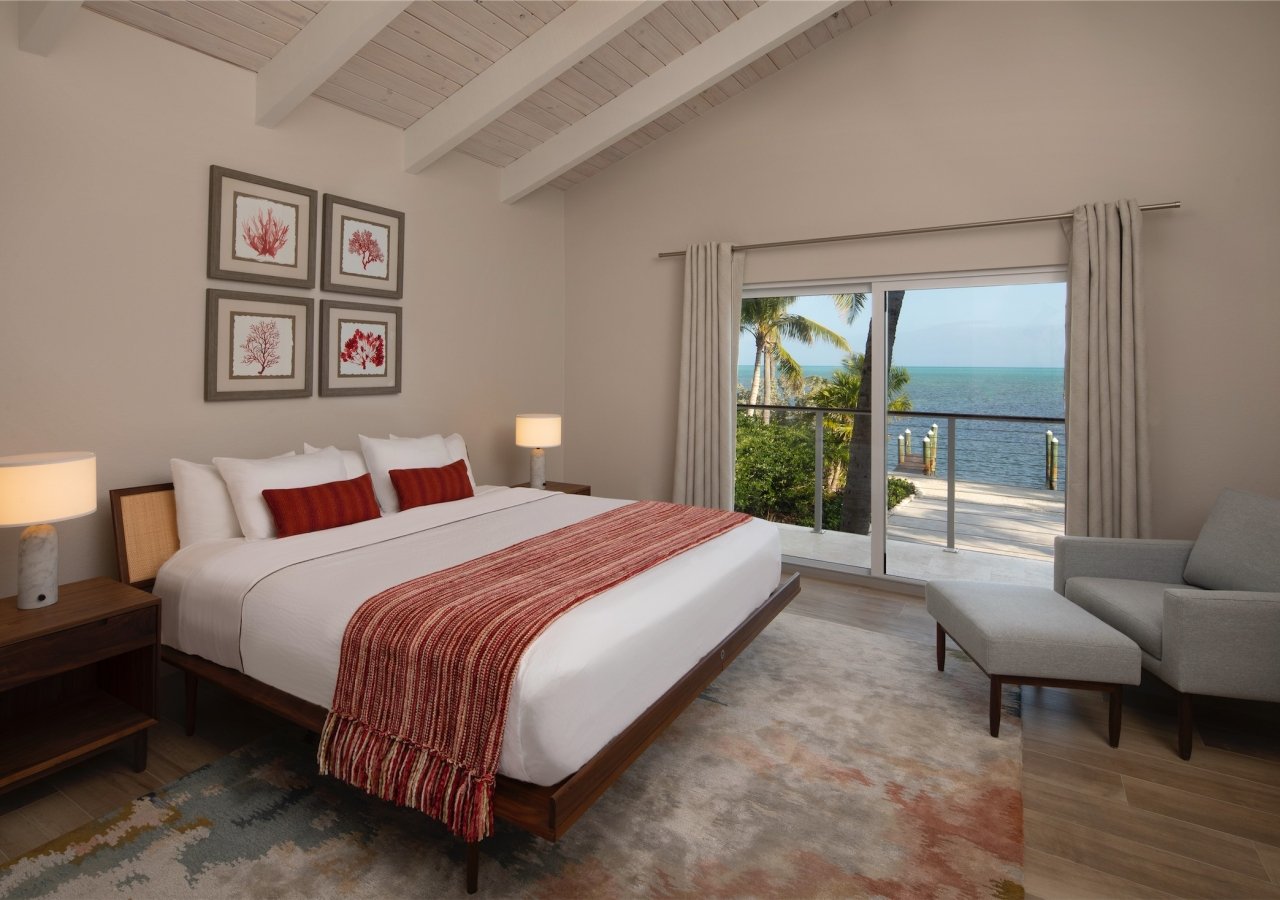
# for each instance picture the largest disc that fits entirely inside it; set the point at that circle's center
(1173, 204)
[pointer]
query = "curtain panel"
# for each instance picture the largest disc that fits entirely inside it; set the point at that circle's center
(1108, 454)
(707, 409)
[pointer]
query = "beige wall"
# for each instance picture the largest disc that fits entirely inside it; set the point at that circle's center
(104, 153)
(937, 113)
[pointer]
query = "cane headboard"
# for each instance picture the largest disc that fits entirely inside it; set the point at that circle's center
(146, 522)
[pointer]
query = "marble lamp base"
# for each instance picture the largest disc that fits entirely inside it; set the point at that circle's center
(538, 468)
(37, 567)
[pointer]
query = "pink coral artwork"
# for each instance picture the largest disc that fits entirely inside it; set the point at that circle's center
(363, 348)
(265, 230)
(364, 248)
(261, 346)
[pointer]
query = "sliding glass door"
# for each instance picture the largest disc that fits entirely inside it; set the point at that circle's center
(951, 462)
(971, 394)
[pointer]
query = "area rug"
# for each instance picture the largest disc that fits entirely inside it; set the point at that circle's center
(827, 761)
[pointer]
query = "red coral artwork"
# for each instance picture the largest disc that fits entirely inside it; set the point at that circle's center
(262, 345)
(364, 245)
(266, 234)
(364, 349)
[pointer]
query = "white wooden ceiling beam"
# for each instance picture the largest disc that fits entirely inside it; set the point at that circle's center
(321, 48)
(755, 34)
(528, 67)
(42, 25)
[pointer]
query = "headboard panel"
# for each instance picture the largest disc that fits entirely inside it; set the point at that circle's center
(146, 522)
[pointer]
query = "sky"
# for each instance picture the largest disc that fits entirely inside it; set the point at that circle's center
(1008, 325)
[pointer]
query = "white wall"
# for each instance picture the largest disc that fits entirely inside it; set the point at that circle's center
(932, 113)
(105, 148)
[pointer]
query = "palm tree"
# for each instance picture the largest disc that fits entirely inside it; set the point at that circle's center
(842, 390)
(767, 320)
(855, 512)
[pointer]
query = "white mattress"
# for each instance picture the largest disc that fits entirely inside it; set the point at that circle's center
(277, 610)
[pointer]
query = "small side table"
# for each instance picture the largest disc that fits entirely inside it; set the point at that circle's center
(77, 678)
(563, 487)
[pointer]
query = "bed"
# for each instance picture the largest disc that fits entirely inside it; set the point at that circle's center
(265, 619)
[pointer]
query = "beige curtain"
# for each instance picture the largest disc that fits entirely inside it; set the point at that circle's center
(1108, 455)
(708, 376)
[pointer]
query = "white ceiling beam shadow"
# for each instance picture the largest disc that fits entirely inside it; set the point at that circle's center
(531, 65)
(755, 34)
(42, 25)
(321, 48)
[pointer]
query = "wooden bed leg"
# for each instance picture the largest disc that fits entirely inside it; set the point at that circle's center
(473, 866)
(190, 682)
(942, 648)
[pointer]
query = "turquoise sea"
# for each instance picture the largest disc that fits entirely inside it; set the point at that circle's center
(1001, 452)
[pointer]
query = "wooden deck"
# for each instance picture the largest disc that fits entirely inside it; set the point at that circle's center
(993, 518)
(1003, 533)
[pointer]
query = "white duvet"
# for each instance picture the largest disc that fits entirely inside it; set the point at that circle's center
(277, 610)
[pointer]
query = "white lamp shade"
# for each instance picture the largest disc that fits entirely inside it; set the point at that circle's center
(537, 430)
(41, 488)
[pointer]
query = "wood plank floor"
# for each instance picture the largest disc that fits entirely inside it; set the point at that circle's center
(1132, 822)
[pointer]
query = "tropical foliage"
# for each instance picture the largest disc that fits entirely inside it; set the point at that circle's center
(775, 470)
(768, 321)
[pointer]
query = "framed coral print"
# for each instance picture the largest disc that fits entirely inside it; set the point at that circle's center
(359, 349)
(261, 230)
(363, 249)
(257, 346)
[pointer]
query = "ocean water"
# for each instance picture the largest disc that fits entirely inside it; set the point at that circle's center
(1001, 452)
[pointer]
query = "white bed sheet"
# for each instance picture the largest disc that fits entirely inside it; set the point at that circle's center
(277, 610)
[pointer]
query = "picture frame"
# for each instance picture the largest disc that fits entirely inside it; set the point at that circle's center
(359, 349)
(363, 249)
(257, 346)
(261, 230)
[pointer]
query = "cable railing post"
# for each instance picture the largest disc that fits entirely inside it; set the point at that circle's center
(817, 475)
(951, 484)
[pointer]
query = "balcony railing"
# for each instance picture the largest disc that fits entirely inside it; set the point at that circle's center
(1021, 435)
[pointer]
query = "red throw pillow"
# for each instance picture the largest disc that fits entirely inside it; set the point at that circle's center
(321, 506)
(422, 487)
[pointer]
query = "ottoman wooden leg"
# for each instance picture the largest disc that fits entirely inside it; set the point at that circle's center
(995, 706)
(1113, 720)
(942, 648)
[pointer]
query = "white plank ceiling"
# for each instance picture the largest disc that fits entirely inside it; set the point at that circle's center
(435, 47)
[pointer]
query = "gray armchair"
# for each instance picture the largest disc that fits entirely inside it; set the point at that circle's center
(1206, 613)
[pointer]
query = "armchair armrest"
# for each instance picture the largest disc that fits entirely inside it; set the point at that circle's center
(1224, 643)
(1133, 558)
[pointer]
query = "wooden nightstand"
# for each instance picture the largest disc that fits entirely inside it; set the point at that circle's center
(76, 678)
(563, 487)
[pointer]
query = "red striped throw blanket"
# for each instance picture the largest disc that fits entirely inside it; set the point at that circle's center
(427, 666)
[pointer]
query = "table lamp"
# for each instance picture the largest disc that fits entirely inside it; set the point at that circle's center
(537, 430)
(35, 490)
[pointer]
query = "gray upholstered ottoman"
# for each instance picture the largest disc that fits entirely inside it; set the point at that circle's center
(1027, 635)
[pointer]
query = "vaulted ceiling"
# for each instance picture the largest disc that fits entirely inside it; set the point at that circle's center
(551, 91)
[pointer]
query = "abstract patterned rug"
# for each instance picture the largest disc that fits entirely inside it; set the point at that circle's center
(828, 761)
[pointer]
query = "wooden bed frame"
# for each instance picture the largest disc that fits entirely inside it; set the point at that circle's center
(147, 534)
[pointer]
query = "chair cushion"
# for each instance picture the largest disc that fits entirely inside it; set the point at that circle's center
(1236, 549)
(1135, 608)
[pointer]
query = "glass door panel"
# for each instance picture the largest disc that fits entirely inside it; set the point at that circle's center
(974, 444)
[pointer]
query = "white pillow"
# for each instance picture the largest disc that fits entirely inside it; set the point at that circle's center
(352, 461)
(205, 512)
(383, 454)
(457, 448)
(247, 478)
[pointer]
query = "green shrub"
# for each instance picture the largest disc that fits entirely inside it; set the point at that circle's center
(774, 473)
